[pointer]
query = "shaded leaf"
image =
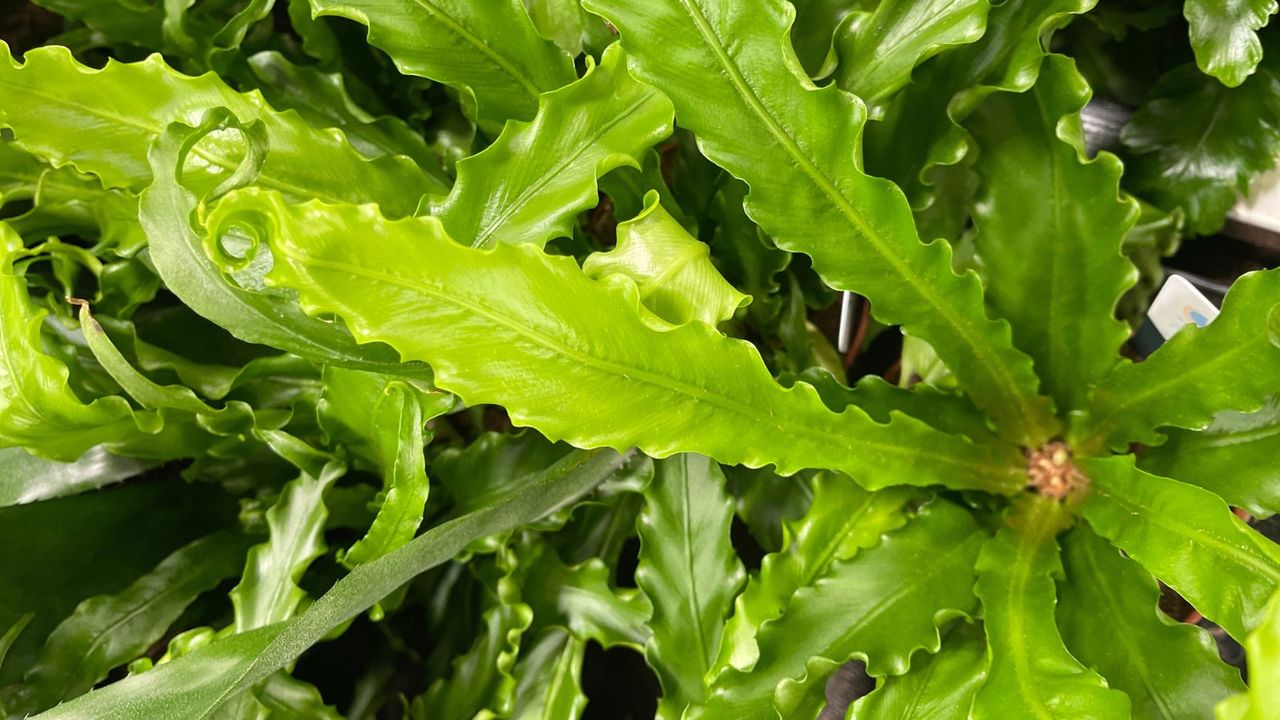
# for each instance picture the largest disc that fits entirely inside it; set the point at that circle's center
(1188, 538)
(120, 534)
(842, 520)
(450, 41)
(547, 685)
(1050, 225)
(937, 687)
(194, 686)
(581, 599)
(1195, 144)
(481, 683)
(107, 631)
(689, 572)
(796, 146)
(1111, 621)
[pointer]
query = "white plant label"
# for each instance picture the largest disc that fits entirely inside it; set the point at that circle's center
(1179, 304)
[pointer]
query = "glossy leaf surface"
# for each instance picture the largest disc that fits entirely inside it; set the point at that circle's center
(672, 270)
(1055, 265)
(450, 41)
(690, 573)
(878, 50)
(530, 184)
(1187, 537)
(937, 687)
(796, 147)
(115, 113)
(1168, 669)
(1229, 365)
(579, 344)
(1225, 36)
(860, 608)
(1234, 458)
(1194, 144)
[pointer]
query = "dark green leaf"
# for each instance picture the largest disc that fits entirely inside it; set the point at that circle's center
(689, 572)
(1049, 230)
(1111, 621)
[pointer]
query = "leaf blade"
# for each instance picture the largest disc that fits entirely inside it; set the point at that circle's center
(766, 123)
(1186, 536)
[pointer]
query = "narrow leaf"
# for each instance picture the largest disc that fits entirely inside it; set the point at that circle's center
(384, 417)
(1186, 537)
(797, 147)
(1235, 458)
(1030, 672)
(881, 606)
(480, 683)
(572, 357)
(547, 685)
(451, 41)
(1225, 36)
(1169, 670)
(672, 270)
(1229, 365)
(690, 573)
(194, 686)
(1050, 225)
(531, 183)
(108, 631)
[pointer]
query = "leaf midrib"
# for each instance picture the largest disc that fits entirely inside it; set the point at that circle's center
(1262, 564)
(644, 376)
(1134, 654)
(1023, 559)
(1008, 387)
(264, 179)
(494, 224)
(470, 38)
